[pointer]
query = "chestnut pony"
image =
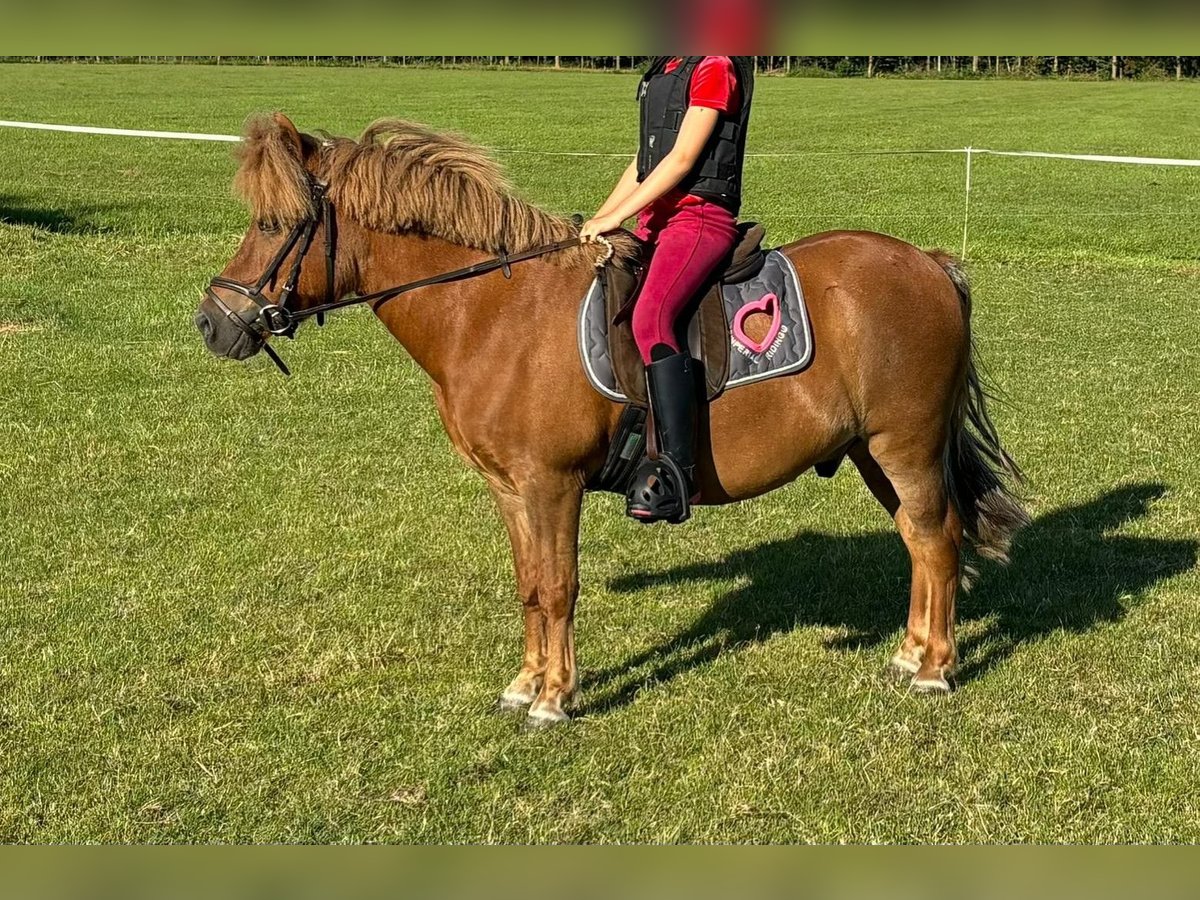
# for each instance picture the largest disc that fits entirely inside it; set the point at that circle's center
(892, 384)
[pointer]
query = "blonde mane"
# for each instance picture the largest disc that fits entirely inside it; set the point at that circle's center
(400, 176)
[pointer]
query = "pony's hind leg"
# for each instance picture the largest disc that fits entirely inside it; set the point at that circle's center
(874, 477)
(907, 659)
(524, 688)
(932, 532)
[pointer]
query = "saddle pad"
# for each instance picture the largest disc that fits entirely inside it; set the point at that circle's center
(785, 346)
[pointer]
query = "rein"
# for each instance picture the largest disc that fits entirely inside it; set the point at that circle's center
(378, 298)
(280, 320)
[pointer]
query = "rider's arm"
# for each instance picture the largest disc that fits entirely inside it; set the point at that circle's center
(698, 125)
(625, 186)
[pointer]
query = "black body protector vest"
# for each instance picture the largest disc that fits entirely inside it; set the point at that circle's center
(664, 97)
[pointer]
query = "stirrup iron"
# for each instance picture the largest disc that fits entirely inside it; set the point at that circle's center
(659, 492)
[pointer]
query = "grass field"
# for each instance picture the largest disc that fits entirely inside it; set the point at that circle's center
(229, 610)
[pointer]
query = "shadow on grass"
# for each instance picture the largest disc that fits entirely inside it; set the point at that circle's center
(1068, 573)
(79, 221)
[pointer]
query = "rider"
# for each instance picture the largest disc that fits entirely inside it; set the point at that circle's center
(685, 187)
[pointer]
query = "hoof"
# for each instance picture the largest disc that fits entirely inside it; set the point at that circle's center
(508, 706)
(540, 721)
(894, 673)
(931, 685)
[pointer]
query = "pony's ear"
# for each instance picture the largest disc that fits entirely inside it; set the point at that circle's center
(290, 135)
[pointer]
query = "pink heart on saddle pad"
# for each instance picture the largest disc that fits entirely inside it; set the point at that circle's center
(768, 304)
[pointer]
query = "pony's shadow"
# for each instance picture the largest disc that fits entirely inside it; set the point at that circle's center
(1068, 573)
(56, 221)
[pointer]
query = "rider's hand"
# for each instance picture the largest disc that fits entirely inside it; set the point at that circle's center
(594, 227)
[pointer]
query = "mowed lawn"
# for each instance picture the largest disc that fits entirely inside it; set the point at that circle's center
(235, 607)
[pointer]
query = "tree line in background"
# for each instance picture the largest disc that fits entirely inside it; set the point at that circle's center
(1092, 67)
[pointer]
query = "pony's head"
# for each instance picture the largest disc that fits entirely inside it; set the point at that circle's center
(278, 179)
(314, 200)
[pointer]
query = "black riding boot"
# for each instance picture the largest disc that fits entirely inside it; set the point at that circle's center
(661, 488)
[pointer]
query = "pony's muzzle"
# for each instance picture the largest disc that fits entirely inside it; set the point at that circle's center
(227, 332)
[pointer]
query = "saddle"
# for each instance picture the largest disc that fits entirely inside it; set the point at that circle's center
(705, 323)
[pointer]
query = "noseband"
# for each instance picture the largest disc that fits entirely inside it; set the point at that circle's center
(279, 319)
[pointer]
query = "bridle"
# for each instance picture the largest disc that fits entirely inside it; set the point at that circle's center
(279, 319)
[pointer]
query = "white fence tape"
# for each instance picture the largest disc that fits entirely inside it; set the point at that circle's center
(1089, 157)
(968, 152)
(233, 138)
(124, 132)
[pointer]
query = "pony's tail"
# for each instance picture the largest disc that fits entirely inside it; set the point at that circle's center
(978, 469)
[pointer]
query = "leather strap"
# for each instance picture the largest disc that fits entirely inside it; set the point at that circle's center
(278, 319)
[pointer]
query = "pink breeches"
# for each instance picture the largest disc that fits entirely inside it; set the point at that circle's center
(692, 243)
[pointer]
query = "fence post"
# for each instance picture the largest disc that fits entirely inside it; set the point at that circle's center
(966, 206)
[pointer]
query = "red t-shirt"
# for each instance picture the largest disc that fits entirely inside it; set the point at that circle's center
(714, 83)
(714, 86)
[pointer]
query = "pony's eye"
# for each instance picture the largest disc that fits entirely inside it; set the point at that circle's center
(268, 227)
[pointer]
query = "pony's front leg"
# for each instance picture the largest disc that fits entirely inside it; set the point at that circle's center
(553, 507)
(524, 688)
